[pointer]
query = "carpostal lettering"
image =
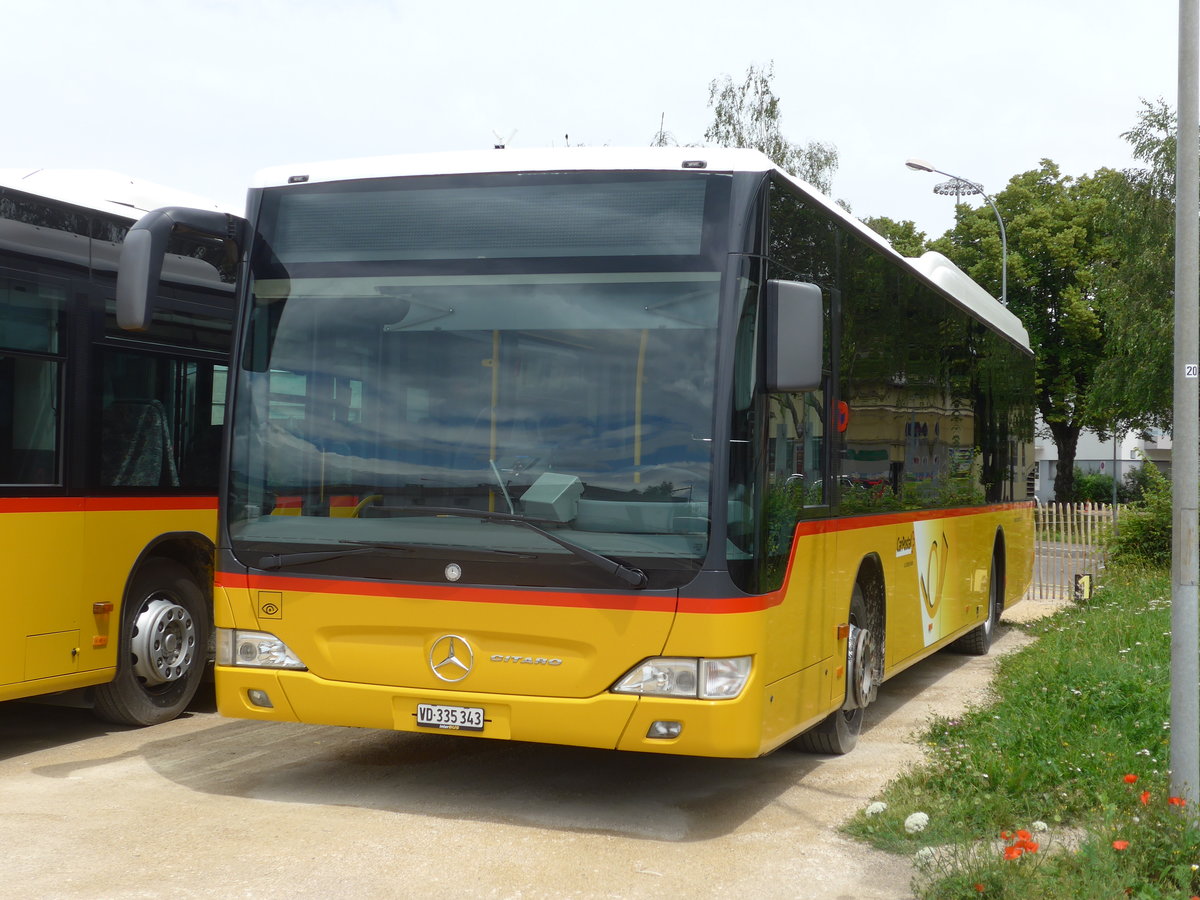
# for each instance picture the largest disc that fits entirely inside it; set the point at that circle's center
(526, 660)
(904, 546)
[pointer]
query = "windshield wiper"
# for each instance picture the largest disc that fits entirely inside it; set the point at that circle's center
(628, 574)
(286, 560)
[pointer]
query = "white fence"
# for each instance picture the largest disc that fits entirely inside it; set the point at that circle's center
(1070, 544)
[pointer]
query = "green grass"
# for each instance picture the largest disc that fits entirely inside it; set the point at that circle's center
(1073, 714)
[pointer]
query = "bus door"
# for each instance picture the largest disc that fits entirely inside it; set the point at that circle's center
(41, 534)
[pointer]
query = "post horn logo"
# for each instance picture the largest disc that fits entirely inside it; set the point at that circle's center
(451, 658)
(933, 581)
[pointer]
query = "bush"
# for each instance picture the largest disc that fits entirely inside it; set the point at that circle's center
(1137, 479)
(1144, 536)
(1093, 487)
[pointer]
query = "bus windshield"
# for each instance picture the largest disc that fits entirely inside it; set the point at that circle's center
(485, 345)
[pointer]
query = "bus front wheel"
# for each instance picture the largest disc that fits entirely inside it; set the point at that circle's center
(163, 647)
(838, 733)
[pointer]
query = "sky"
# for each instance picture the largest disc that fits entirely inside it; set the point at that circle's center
(200, 94)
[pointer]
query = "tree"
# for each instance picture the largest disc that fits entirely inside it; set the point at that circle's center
(1056, 247)
(747, 115)
(662, 137)
(1133, 388)
(903, 236)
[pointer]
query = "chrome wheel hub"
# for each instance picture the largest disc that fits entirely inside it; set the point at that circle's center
(861, 684)
(163, 642)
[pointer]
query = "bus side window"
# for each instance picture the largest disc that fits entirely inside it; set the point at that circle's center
(796, 448)
(136, 446)
(156, 421)
(28, 420)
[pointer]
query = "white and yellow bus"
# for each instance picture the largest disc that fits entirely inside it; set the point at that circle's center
(651, 450)
(109, 452)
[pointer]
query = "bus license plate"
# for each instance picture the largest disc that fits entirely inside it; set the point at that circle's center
(450, 718)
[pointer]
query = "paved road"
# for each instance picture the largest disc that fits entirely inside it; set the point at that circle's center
(212, 807)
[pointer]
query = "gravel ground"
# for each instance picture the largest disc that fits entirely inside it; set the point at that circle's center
(211, 807)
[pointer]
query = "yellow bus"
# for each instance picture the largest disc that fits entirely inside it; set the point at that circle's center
(653, 450)
(109, 452)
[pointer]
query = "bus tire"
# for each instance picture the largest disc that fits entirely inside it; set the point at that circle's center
(978, 641)
(163, 647)
(838, 733)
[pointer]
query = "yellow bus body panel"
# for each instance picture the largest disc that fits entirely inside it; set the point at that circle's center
(368, 645)
(73, 554)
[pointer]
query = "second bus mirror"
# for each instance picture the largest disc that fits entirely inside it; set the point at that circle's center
(144, 251)
(795, 336)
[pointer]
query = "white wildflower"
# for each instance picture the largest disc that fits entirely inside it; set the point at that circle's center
(876, 808)
(1039, 826)
(918, 821)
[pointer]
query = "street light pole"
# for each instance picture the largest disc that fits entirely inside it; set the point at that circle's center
(919, 165)
(1185, 567)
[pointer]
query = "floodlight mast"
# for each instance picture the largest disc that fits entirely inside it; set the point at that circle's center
(920, 165)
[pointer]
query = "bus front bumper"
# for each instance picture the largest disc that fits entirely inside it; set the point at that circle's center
(720, 728)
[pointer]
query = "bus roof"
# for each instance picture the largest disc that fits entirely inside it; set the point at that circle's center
(101, 190)
(959, 285)
(932, 267)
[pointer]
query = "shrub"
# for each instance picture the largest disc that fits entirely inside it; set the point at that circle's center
(1093, 487)
(1136, 481)
(1144, 536)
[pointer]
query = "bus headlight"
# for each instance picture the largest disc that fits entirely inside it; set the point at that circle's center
(704, 679)
(236, 647)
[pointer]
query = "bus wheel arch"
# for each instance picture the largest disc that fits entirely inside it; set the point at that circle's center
(164, 639)
(838, 732)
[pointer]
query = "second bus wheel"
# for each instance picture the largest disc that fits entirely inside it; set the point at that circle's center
(163, 647)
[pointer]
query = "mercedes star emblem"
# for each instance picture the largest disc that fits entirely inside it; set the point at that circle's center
(451, 658)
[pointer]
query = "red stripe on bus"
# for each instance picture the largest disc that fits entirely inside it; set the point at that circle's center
(122, 504)
(632, 602)
(856, 523)
(103, 504)
(454, 593)
(40, 504)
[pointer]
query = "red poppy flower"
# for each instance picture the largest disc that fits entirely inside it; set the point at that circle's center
(1006, 835)
(980, 888)
(1131, 779)
(1029, 846)
(1012, 852)
(1120, 845)
(1177, 801)
(1145, 798)
(1023, 834)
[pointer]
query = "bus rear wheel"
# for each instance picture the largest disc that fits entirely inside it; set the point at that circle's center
(978, 641)
(163, 647)
(838, 733)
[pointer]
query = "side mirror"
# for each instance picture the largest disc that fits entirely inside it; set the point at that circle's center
(145, 248)
(795, 339)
